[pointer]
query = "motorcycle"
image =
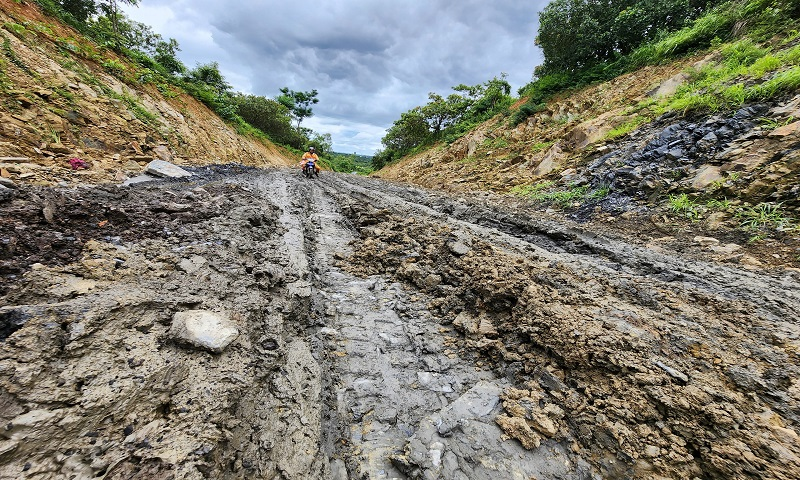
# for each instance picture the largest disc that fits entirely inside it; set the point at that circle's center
(309, 170)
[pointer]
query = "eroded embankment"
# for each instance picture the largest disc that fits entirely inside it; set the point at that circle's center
(385, 332)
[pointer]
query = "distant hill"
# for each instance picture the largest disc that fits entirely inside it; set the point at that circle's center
(366, 159)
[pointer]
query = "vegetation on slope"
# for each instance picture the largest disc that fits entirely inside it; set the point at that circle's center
(587, 42)
(135, 54)
(602, 50)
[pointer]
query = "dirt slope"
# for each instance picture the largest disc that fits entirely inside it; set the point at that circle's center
(61, 101)
(727, 180)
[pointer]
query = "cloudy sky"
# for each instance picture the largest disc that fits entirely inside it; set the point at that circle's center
(370, 60)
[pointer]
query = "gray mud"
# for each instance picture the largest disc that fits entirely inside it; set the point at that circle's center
(387, 332)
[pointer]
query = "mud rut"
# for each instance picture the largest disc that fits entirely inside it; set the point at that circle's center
(390, 332)
(388, 377)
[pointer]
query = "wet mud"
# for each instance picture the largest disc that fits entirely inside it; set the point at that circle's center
(384, 332)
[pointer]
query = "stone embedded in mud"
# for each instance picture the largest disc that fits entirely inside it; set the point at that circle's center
(706, 241)
(161, 168)
(458, 248)
(204, 329)
(706, 176)
(677, 375)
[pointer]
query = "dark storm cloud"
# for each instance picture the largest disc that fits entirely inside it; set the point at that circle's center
(370, 60)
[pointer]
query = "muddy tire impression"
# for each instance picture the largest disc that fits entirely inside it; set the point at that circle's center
(363, 329)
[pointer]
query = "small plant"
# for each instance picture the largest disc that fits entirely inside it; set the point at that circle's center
(53, 136)
(626, 128)
(561, 198)
(498, 142)
(565, 198)
(114, 67)
(742, 53)
(684, 206)
(166, 90)
(538, 147)
(718, 205)
(763, 65)
(9, 51)
(599, 193)
(530, 190)
(772, 124)
(65, 94)
(764, 217)
(15, 28)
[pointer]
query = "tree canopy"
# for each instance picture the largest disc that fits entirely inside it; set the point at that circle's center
(577, 34)
(298, 103)
(444, 117)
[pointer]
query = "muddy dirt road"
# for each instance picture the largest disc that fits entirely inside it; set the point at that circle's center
(381, 331)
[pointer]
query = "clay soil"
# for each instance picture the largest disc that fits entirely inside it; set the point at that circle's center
(386, 331)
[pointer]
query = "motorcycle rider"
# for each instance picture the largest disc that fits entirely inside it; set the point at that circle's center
(310, 155)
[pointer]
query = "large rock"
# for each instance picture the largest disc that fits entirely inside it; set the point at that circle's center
(786, 130)
(707, 175)
(160, 168)
(204, 329)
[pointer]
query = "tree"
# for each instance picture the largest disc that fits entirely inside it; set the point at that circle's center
(111, 10)
(485, 98)
(166, 54)
(81, 10)
(323, 143)
(270, 117)
(409, 131)
(577, 34)
(209, 75)
(298, 103)
(442, 112)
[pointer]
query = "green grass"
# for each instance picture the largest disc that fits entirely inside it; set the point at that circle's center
(530, 190)
(543, 192)
(114, 67)
(15, 28)
(12, 56)
(498, 142)
(565, 198)
(747, 73)
(684, 206)
(599, 193)
(718, 205)
(772, 124)
(626, 128)
(764, 218)
(538, 147)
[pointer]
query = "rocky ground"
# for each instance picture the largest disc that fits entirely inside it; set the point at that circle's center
(374, 330)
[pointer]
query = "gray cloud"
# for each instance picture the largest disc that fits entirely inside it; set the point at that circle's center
(369, 60)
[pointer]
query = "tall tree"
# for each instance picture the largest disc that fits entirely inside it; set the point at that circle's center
(577, 34)
(81, 10)
(111, 10)
(298, 103)
(408, 132)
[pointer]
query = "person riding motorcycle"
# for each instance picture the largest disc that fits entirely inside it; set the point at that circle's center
(310, 155)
